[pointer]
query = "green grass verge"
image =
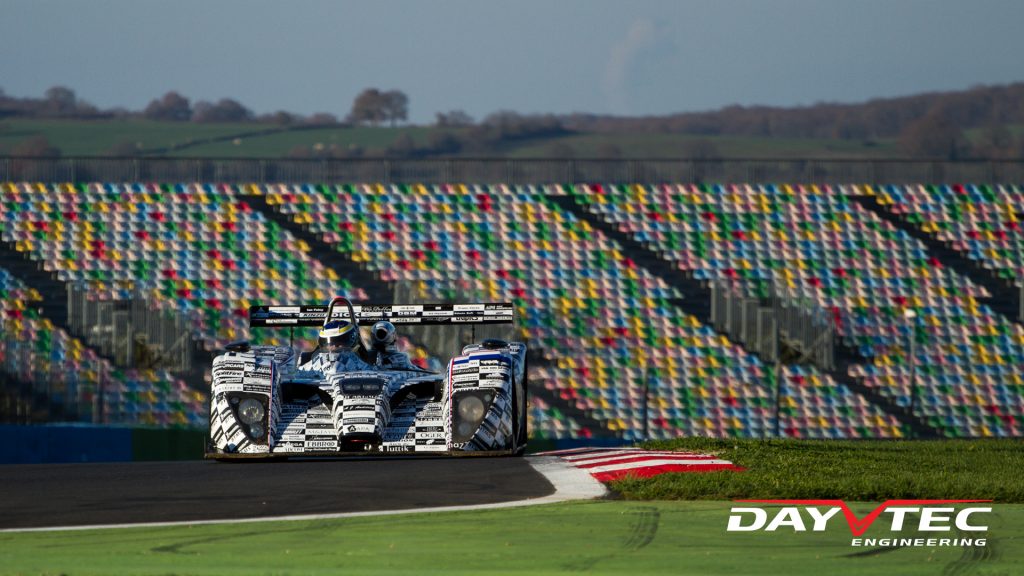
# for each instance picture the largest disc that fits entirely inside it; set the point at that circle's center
(657, 145)
(98, 137)
(852, 470)
(605, 537)
(281, 144)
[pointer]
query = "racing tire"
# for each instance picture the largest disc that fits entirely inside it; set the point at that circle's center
(519, 407)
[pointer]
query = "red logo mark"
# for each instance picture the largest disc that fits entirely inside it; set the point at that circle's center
(860, 525)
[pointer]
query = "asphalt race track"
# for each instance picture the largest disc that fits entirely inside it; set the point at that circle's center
(43, 495)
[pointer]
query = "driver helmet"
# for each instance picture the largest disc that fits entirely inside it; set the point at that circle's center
(336, 336)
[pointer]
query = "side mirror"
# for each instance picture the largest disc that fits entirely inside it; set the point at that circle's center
(494, 344)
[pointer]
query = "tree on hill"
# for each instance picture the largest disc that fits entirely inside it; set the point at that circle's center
(60, 101)
(171, 106)
(396, 106)
(281, 118)
(322, 119)
(455, 118)
(374, 107)
(225, 110)
(443, 143)
(509, 125)
(934, 136)
(367, 108)
(871, 120)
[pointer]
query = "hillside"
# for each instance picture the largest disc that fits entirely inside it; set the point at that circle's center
(144, 137)
(983, 122)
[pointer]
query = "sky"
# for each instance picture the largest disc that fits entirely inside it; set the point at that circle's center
(633, 58)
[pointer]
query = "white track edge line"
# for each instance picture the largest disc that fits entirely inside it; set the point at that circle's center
(569, 451)
(578, 460)
(653, 463)
(570, 483)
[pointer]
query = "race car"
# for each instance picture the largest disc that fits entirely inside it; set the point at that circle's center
(347, 397)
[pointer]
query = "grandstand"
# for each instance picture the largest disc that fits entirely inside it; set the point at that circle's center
(611, 283)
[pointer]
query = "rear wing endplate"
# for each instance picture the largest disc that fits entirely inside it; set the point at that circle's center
(367, 314)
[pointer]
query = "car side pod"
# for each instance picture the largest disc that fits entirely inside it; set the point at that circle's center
(484, 397)
(243, 406)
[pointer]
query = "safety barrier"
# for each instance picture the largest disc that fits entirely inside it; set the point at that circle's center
(510, 171)
(64, 443)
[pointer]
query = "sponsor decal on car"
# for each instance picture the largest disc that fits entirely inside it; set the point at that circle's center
(223, 372)
(256, 386)
(348, 421)
(332, 444)
(431, 448)
(398, 448)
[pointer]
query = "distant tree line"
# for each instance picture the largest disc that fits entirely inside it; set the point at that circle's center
(879, 118)
(926, 126)
(61, 102)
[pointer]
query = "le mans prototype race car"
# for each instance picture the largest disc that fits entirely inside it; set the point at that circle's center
(345, 397)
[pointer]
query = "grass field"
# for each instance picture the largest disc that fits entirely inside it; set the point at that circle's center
(671, 524)
(605, 537)
(96, 138)
(646, 145)
(280, 144)
(185, 139)
(864, 470)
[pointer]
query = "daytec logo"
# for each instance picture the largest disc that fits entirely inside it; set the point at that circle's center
(815, 516)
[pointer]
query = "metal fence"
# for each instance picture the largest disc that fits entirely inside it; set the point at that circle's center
(44, 377)
(34, 366)
(767, 325)
(504, 170)
(131, 331)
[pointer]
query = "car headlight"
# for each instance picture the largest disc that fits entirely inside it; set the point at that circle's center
(251, 411)
(464, 429)
(256, 431)
(470, 409)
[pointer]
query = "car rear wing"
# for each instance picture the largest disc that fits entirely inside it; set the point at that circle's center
(367, 314)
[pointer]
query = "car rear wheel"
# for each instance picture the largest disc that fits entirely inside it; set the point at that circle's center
(519, 407)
